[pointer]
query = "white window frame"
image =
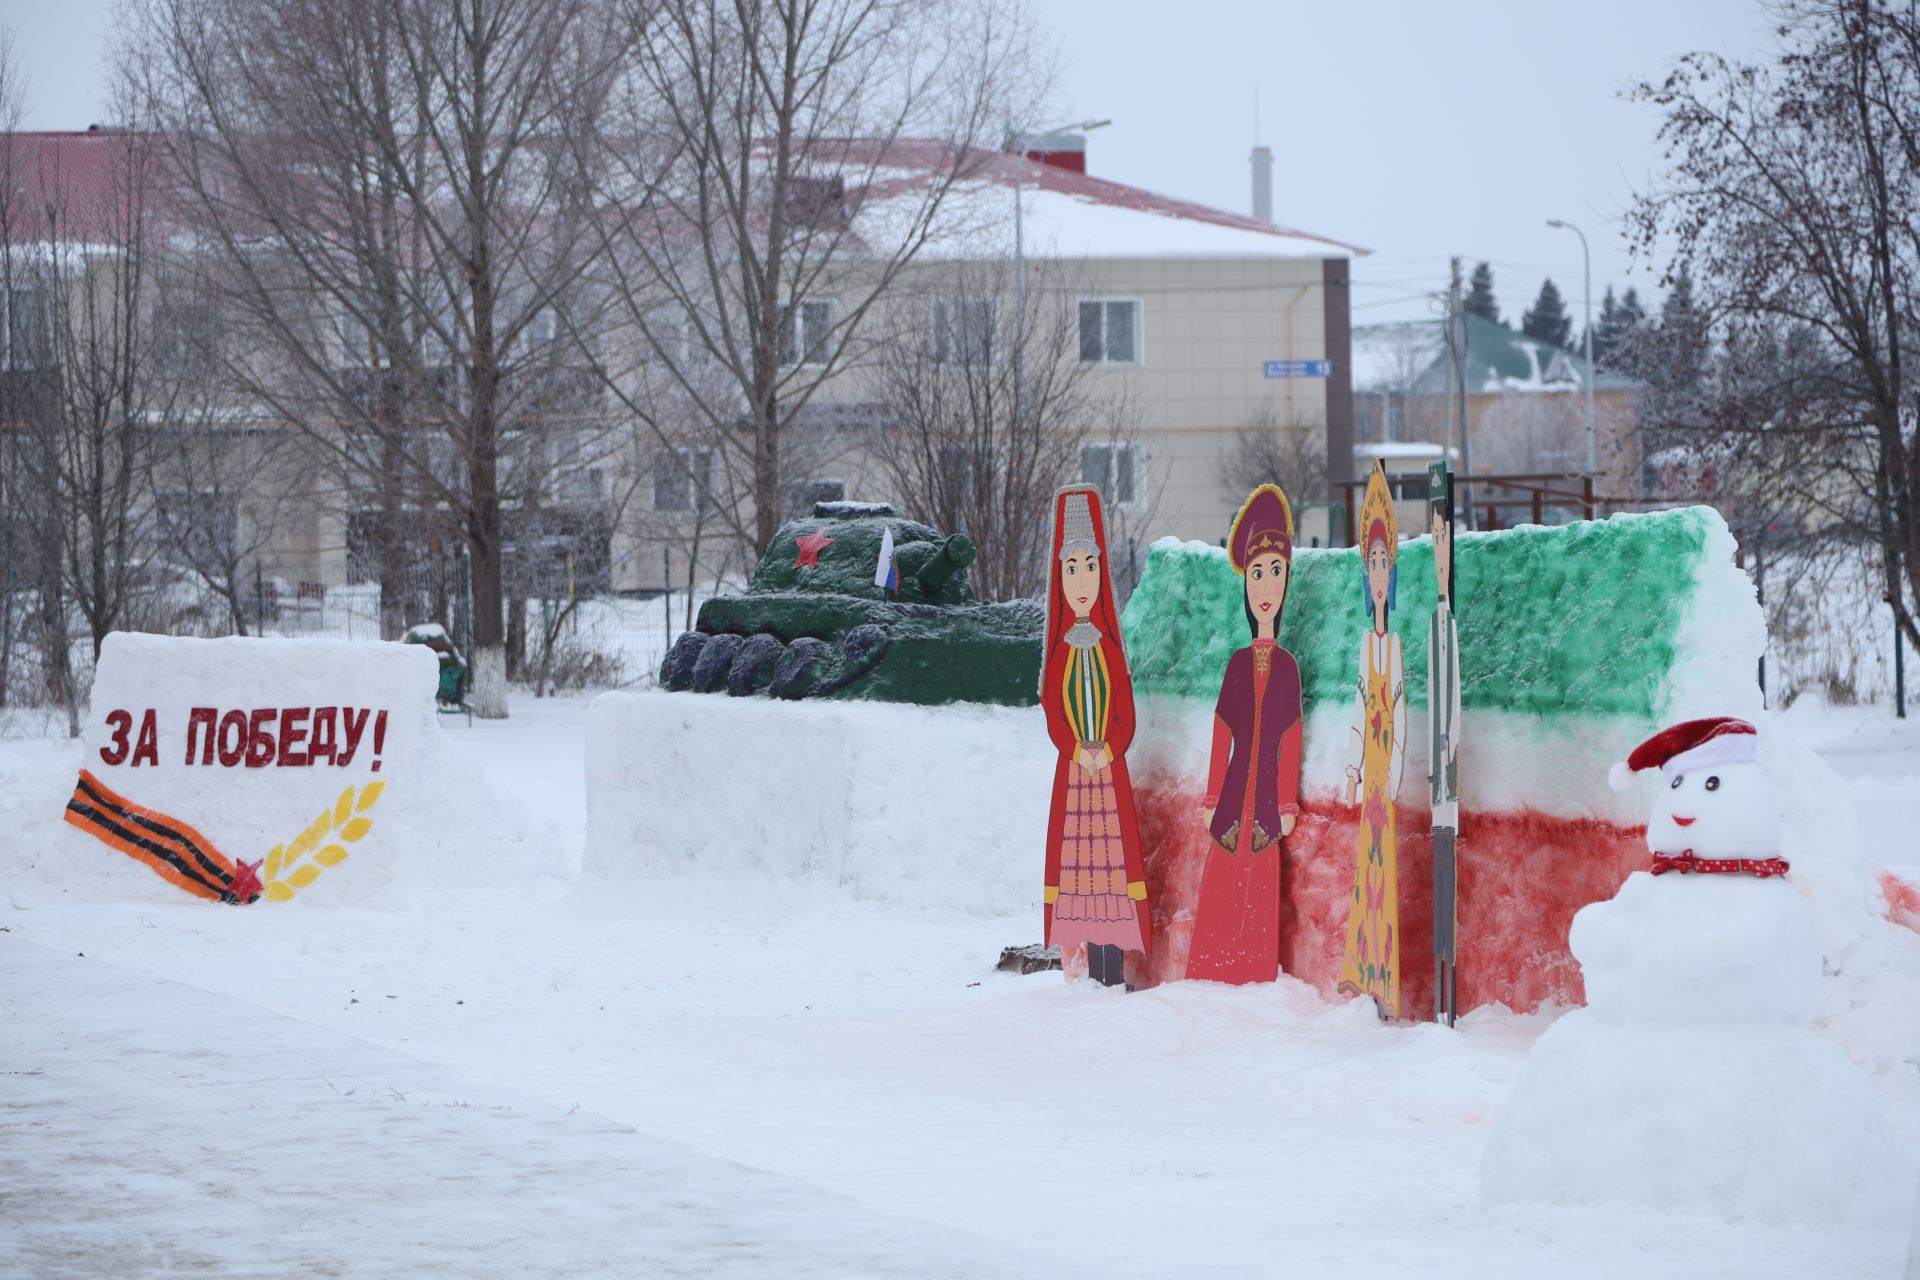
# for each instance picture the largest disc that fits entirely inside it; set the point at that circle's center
(804, 352)
(1105, 484)
(1139, 331)
(947, 344)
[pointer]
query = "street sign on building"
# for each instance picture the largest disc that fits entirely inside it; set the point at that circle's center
(1299, 369)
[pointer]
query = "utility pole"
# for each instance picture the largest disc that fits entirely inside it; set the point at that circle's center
(1457, 384)
(1586, 259)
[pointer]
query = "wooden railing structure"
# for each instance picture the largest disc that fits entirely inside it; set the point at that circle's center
(1502, 501)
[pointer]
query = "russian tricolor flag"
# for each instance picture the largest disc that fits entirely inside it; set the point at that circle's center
(886, 574)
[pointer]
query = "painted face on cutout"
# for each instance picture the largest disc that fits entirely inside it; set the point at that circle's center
(1379, 574)
(1267, 589)
(1080, 581)
(1442, 552)
(1717, 811)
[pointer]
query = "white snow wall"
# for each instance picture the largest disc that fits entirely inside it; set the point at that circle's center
(923, 806)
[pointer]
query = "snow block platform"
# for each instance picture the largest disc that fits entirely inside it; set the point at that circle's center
(924, 806)
(245, 770)
(1575, 643)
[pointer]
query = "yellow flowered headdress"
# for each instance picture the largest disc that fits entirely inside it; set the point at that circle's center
(1378, 520)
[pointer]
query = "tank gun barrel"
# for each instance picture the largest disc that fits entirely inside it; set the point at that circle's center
(955, 554)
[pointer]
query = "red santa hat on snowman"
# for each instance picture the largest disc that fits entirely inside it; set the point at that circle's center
(1690, 745)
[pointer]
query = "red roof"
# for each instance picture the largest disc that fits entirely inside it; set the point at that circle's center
(72, 187)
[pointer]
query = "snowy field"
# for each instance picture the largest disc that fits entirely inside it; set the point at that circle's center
(592, 1076)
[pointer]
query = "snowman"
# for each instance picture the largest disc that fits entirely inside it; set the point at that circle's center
(1693, 1078)
(1710, 932)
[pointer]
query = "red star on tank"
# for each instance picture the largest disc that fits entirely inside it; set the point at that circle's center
(810, 546)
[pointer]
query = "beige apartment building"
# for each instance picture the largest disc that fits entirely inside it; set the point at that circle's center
(1199, 325)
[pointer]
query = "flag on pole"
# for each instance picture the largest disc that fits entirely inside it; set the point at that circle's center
(886, 574)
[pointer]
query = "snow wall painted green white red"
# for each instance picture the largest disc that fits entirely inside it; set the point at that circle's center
(1575, 641)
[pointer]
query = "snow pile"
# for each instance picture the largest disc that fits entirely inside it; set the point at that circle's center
(1693, 1077)
(247, 742)
(938, 807)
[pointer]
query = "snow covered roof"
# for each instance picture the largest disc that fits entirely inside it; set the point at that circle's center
(1410, 357)
(1072, 215)
(1402, 451)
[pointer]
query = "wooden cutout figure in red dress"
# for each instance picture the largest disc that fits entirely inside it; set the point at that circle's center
(1096, 889)
(1253, 780)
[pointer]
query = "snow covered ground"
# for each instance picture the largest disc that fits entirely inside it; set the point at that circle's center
(607, 1077)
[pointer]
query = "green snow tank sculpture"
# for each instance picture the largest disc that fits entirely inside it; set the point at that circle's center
(813, 623)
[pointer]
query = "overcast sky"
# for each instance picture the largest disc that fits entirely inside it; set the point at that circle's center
(1418, 129)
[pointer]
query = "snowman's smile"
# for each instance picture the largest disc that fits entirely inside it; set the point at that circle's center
(1678, 821)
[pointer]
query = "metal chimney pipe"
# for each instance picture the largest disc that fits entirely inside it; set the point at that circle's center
(1263, 183)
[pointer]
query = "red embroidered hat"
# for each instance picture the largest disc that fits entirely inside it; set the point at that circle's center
(1264, 524)
(1691, 744)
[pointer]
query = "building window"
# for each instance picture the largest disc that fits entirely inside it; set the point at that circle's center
(961, 473)
(804, 332)
(962, 330)
(187, 340)
(436, 331)
(1118, 469)
(683, 480)
(1110, 331)
(355, 338)
(27, 329)
(202, 530)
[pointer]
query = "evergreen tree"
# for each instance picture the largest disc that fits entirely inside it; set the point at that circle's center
(1606, 333)
(1631, 311)
(1683, 338)
(1480, 301)
(1547, 319)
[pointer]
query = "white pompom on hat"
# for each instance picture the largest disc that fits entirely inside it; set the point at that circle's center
(1692, 744)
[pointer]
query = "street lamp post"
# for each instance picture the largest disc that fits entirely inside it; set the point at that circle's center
(1017, 142)
(1586, 258)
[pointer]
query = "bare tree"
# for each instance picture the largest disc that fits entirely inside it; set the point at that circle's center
(402, 217)
(1273, 449)
(961, 449)
(79, 229)
(778, 165)
(1793, 204)
(32, 593)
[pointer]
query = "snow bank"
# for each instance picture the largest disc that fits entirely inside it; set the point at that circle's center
(939, 807)
(1755, 1120)
(318, 764)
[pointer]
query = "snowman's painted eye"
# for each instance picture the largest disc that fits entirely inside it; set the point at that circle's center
(1678, 778)
(1713, 783)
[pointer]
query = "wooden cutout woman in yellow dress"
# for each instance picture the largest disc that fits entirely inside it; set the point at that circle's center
(1371, 964)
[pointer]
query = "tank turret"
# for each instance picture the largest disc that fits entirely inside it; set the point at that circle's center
(822, 617)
